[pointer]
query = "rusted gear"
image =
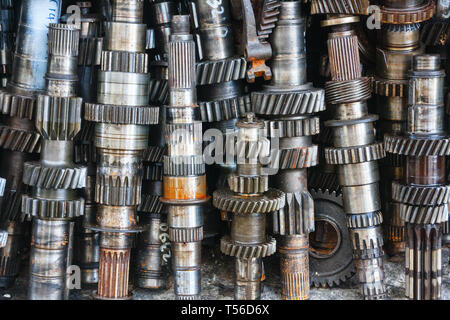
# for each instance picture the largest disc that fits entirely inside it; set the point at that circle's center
(408, 15)
(435, 33)
(329, 269)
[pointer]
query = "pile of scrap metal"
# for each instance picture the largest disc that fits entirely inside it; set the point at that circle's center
(134, 133)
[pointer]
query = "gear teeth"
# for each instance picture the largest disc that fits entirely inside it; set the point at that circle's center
(58, 118)
(416, 147)
(367, 243)
(19, 140)
(17, 106)
(344, 59)
(414, 15)
(154, 154)
(90, 51)
(270, 201)
(269, 18)
(298, 158)
(365, 220)
(118, 190)
(138, 115)
(153, 172)
(297, 216)
(420, 195)
(36, 175)
(358, 154)
(337, 92)
(226, 109)
(182, 166)
(248, 185)
(64, 39)
(242, 251)
(124, 61)
(390, 88)
(424, 215)
(52, 209)
(319, 180)
(293, 128)
(186, 235)
(159, 91)
(288, 103)
(354, 7)
(151, 204)
(211, 72)
(11, 209)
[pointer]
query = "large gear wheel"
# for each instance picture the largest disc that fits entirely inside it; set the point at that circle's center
(330, 267)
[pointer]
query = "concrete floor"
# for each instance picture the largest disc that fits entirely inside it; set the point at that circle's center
(217, 283)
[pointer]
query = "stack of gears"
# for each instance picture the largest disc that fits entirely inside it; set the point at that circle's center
(18, 139)
(355, 152)
(122, 115)
(86, 243)
(249, 200)
(122, 181)
(399, 42)
(423, 192)
(54, 202)
(288, 104)
(184, 167)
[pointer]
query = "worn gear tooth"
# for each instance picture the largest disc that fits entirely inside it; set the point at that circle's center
(19, 140)
(365, 220)
(293, 128)
(217, 71)
(124, 61)
(58, 118)
(151, 204)
(308, 101)
(226, 109)
(17, 106)
(154, 154)
(424, 215)
(52, 209)
(390, 88)
(159, 91)
(90, 51)
(243, 251)
(420, 195)
(117, 114)
(186, 235)
(297, 216)
(303, 157)
(36, 175)
(357, 154)
(181, 166)
(337, 92)
(340, 7)
(118, 190)
(268, 18)
(416, 147)
(416, 14)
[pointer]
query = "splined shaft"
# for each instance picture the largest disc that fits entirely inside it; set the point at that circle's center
(19, 141)
(355, 152)
(250, 200)
(122, 116)
(423, 192)
(184, 182)
(294, 125)
(54, 202)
